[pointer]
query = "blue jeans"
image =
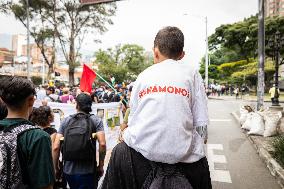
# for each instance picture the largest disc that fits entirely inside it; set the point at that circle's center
(87, 181)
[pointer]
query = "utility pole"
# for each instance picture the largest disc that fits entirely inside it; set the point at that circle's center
(206, 58)
(43, 70)
(261, 54)
(28, 42)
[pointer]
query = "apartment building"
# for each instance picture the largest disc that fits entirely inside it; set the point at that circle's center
(274, 8)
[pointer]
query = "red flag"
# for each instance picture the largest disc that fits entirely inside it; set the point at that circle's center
(87, 79)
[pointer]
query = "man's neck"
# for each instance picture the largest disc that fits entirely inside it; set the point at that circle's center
(162, 59)
(17, 115)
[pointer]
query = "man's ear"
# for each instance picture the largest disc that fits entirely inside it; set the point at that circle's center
(156, 52)
(31, 100)
(182, 55)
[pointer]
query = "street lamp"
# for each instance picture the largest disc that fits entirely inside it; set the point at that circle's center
(28, 41)
(276, 44)
(206, 44)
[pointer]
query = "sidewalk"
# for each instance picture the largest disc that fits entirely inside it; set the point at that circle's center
(248, 98)
(264, 148)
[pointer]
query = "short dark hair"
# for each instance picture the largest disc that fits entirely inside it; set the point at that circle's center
(40, 116)
(170, 42)
(84, 103)
(3, 110)
(15, 90)
(52, 89)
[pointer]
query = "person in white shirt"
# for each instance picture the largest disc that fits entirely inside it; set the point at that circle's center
(168, 119)
(41, 93)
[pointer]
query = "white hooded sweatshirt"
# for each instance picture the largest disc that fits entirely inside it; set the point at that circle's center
(168, 105)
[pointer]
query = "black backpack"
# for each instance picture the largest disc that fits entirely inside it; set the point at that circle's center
(78, 144)
(166, 176)
(105, 97)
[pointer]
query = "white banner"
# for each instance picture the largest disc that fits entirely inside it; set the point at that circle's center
(110, 113)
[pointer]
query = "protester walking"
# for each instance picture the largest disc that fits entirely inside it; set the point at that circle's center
(167, 125)
(51, 96)
(274, 94)
(79, 150)
(29, 155)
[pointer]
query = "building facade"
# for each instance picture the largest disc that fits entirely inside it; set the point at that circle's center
(274, 8)
(6, 56)
(17, 44)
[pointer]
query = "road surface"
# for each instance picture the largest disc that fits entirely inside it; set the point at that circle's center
(234, 163)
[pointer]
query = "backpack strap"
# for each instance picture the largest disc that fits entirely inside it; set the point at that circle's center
(19, 129)
(52, 99)
(2, 128)
(161, 170)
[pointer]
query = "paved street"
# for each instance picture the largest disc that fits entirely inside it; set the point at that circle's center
(233, 161)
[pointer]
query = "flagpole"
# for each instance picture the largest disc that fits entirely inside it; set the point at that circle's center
(106, 82)
(109, 85)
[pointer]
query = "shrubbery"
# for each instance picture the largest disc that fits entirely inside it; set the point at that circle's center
(278, 145)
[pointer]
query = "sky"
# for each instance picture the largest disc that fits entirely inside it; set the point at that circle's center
(138, 21)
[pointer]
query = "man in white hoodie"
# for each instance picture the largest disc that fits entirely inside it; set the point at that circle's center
(168, 117)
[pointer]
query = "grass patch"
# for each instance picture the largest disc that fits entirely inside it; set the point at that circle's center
(278, 153)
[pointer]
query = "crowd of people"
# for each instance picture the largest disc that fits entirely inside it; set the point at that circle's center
(215, 89)
(38, 145)
(101, 94)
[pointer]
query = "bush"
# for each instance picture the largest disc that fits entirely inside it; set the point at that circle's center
(278, 145)
(36, 80)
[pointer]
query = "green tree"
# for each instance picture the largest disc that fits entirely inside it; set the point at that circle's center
(40, 30)
(241, 37)
(67, 20)
(234, 48)
(133, 58)
(213, 72)
(123, 62)
(73, 21)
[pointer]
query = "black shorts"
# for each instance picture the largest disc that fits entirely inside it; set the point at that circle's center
(128, 169)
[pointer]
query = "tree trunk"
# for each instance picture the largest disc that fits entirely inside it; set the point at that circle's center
(71, 76)
(71, 63)
(50, 71)
(72, 57)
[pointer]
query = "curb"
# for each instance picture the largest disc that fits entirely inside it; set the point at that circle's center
(274, 167)
(213, 98)
(248, 100)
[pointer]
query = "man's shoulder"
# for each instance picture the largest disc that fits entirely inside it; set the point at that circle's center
(95, 119)
(35, 134)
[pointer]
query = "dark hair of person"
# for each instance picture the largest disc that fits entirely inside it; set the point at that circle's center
(15, 90)
(130, 88)
(40, 116)
(170, 42)
(3, 110)
(84, 103)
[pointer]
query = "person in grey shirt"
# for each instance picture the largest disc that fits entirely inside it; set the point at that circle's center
(83, 173)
